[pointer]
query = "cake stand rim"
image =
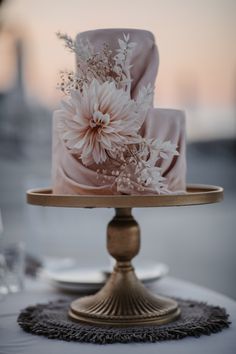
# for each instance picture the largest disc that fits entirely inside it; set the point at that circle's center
(196, 194)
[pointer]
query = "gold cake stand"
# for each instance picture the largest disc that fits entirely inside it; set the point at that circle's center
(124, 301)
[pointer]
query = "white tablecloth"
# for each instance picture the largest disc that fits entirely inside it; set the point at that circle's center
(13, 340)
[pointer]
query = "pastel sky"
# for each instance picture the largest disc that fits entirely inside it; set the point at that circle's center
(196, 40)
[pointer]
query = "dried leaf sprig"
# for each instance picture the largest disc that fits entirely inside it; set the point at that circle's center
(135, 170)
(102, 66)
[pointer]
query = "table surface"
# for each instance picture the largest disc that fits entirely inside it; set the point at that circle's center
(13, 340)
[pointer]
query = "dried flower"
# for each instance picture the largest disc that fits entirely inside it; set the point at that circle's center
(102, 66)
(99, 121)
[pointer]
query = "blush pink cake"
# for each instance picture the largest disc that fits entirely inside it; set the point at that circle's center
(107, 136)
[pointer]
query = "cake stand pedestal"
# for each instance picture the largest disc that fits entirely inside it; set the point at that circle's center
(124, 301)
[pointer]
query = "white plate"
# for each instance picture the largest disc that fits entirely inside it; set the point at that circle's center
(69, 275)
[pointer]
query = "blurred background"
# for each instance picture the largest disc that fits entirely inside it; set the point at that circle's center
(196, 41)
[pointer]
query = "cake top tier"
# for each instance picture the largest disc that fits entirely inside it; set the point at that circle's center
(144, 57)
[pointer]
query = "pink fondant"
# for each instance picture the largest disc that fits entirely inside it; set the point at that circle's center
(70, 176)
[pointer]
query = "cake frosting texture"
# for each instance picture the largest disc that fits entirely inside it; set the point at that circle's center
(71, 176)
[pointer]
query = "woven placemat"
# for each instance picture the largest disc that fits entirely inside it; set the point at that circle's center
(51, 320)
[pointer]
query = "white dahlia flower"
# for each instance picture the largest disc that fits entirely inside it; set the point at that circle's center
(99, 121)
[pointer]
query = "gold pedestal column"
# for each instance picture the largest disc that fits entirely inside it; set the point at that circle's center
(124, 301)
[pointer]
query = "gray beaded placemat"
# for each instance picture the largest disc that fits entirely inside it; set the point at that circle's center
(51, 320)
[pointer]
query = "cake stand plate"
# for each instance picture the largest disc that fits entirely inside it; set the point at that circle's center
(195, 194)
(124, 301)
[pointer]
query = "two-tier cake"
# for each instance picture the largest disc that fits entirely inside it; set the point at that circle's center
(107, 136)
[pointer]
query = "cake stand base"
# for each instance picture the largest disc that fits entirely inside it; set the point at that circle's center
(124, 301)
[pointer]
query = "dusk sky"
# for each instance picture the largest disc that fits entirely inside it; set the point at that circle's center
(196, 41)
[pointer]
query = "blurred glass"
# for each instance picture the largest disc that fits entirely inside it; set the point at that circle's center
(15, 265)
(3, 274)
(12, 265)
